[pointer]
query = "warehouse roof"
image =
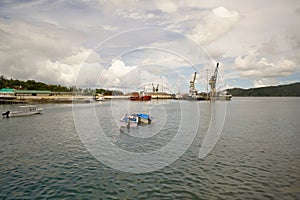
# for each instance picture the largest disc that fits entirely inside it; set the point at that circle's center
(32, 91)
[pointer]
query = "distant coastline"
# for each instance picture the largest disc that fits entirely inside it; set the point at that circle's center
(63, 94)
(289, 90)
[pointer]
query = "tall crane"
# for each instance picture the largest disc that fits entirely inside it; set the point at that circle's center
(213, 81)
(155, 89)
(193, 91)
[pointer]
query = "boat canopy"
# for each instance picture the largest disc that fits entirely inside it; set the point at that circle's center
(141, 115)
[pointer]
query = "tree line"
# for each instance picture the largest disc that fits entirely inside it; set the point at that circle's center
(31, 85)
(35, 85)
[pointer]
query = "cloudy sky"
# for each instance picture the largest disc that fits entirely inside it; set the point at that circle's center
(132, 43)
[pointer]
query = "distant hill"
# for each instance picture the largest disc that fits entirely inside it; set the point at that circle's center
(280, 90)
(31, 85)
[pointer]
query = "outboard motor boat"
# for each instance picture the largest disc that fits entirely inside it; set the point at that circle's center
(6, 114)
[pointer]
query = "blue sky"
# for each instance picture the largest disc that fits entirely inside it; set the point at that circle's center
(134, 43)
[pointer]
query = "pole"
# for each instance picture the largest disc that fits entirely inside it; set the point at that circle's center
(162, 85)
(207, 81)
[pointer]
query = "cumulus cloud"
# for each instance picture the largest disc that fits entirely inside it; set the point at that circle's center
(167, 5)
(115, 73)
(41, 53)
(266, 82)
(252, 65)
(119, 75)
(215, 24)
(49, 41)
(110, 28)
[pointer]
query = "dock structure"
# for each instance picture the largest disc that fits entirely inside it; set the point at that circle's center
(12, 96)
(116, 97)
(154, 95)
(160, 95)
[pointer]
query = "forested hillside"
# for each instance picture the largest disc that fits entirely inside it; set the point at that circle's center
(281, 90)
(31, 85)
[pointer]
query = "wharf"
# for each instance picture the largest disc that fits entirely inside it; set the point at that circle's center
(70, 98)
(48, 99)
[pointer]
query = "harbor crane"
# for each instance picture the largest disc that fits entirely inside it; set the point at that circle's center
(193, 90)
(213, 81)
(155, 89)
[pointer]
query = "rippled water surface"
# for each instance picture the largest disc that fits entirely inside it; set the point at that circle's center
(257, 155)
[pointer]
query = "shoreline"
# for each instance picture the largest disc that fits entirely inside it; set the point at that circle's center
(44, 99)
(48, 99)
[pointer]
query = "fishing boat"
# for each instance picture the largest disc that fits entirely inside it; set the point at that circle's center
(135, 119)
(23, 111)
(135, 96)
(129, 120)
(144, 118)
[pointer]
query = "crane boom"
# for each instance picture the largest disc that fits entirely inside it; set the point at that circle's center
(192, 85)
(155, 89)
(194, 77)
(213, 81)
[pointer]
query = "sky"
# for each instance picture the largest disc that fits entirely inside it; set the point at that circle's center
(130, 44)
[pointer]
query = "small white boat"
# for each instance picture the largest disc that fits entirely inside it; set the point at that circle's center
(24, 111)
(129, 120)
(99, 97)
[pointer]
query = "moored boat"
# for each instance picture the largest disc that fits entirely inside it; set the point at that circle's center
(99, 97)
(222, 96)
(140, 97)
(23, 111)
(193, 93)
(135, 119)
(144, 118)
(129, 120)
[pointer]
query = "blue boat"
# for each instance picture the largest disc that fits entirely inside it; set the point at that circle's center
(144, 118)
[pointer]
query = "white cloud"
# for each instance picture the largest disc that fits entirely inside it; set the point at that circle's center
(110, 28)
(167, 5)
(252, 66)
(114, 75)
(41, 53)
(214, 25)
(120, 76)
(265, 82)
(47, 40)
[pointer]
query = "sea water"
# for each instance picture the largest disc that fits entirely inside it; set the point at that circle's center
(256, 155)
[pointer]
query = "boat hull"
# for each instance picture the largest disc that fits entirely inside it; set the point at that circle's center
(194, 98)
(100, 99)
(129, 121)
(224, 98)
(142, 98)
(21, 113)
(144, 118)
